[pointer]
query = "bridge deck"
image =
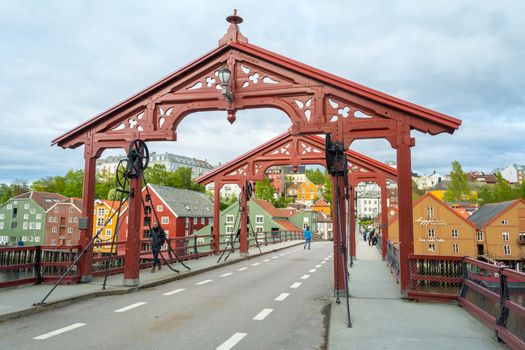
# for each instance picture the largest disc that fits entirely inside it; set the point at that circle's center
(382, 320)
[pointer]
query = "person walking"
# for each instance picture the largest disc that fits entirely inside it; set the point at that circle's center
(157, 238)
(307, 237)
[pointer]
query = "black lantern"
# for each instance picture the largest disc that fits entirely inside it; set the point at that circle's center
(224, 77)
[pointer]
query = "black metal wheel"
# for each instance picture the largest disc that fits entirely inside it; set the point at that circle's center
(249, 190)
(122, 173)
(138, 155)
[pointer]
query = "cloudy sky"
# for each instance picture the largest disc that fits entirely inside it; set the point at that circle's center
(63, 62)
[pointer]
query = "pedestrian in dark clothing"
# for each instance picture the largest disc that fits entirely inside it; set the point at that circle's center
(364, 234)
(157, 238)
(307, 237)
(370, 237)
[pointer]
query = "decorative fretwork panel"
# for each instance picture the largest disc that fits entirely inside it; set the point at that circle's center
(250, 77)
(135, 121)
(338, 110)
(206, 83)
(282, 150)
(242, 170)
(306, 149)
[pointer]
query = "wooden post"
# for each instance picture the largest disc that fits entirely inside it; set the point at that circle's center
(217, 217)
(88, 206)
(243, 238)
(131, 265)
(384, 218)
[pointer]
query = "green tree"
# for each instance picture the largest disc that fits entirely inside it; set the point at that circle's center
(502, 189)
(327, 188)
(282, 202)
(227, 201)
(264, 190)
(316, 176)
(458, 186)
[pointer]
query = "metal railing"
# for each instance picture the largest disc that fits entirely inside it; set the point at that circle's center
(493, 294)
(392, 258)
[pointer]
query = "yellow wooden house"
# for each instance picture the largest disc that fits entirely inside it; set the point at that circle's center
(306, 192)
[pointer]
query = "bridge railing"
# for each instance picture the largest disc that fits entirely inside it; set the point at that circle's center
(493, 294)
(392, 258)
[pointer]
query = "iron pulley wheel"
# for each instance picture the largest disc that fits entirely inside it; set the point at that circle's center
(122, 173)
(138, 155)
(249, 190)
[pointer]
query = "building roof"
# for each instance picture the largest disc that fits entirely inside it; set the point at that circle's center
(484, 215)
(443, 186)
(321, 203)
(273, 211)
(462, 212)
(481, 177)
(184, 203)
(77, 202)
(44, 199)
(287, 225)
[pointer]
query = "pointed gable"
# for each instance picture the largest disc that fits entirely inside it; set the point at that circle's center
(484, 215)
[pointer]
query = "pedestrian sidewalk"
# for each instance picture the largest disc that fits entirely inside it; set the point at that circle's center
(18, 301)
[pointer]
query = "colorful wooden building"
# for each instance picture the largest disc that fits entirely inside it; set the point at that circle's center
(307, 192)
(62, 223)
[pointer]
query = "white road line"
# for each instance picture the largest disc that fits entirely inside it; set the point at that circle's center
(203, 282)
(174, 291)
(266, 260)
(129, 307)
(242, 268)
(323, 262)
(230, 343)
(262, 315)
(305, 277)
(296, 285)
(59, 331)
(255, 264)
(312, 270)
(318, 266)
(227, 274)
(282, 296)
(282, 254)
(327, 258)
(274, 257)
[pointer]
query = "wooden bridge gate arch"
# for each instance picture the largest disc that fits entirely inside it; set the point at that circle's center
(315, 101)
(295, 150)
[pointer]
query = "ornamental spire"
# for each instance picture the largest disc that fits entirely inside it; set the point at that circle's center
(233, 34)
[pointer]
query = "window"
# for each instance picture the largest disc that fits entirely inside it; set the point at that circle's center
(430, 212)
(432, 247)
(1, 225)
(479, 235)
(202, 221)
(505, 222)
(506, 236)
(14, 225)
(431, 233)
(54, 230)
(56, 209)
(229, 219)
(455, 248)
(70, 219)
(26, 216)
(454, 233)
(31, 225)
(70, 230)
(195, 221)
(70, 209)
(38, 216)
(229, 229)
(100, 221)
(160, 207)
(108, 232)
(165, 220)
(259, 219)
(259, 229)
(24, 225)
(69, 242)
(26, 206)
(9, 206)
(24, 238)
(506, 249)
(38, 226)
(100, 212)
(37, 239)
(2, 216)
(53, 242)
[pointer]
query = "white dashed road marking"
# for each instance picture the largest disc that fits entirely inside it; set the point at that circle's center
(323, 262)
(203, 282)
(266, 260)
(59, 331)
(274, 257)
(304, 277)
(312, 270)
(262, 315)
(242, 268)
(255, 264)
(318, 266)
(230, 343)
(296, 285)
(282, 296)
(174, 291)
(129, 307)
(227, 274)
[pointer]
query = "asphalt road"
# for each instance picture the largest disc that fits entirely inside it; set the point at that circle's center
(275, 301)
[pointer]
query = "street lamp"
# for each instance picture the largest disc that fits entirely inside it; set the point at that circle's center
(224, 77)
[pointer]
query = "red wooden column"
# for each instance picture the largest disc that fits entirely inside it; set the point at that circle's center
(217, 217)
(338, 226)
(351, 212)
(243, 238)
(406, 234)
(384, 217)
(131, 265)
(88, 206)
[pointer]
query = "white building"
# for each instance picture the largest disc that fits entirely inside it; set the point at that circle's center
(227, 190)
(368, 199)
(513, 173)
(425, 182)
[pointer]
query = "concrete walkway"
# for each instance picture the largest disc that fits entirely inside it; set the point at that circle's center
(382, 320)
(18, 301)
